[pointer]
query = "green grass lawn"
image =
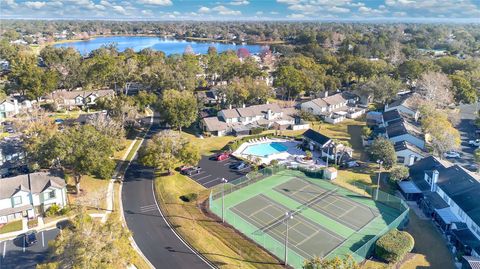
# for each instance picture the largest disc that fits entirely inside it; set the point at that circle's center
(220, 244)
(93, 192)
(134, 150)
(209, 145)
(11, 227)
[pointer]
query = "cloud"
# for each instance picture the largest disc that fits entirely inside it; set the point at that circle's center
(8, 3)
(35, 5)
(296, 16)
(157, 2)
(204, 10)
(120, 10)
(259, 13)
(222, 10)
(289, 2)
(239, 2)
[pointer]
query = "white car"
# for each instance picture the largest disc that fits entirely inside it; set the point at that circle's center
(451, 154)
(475, 142)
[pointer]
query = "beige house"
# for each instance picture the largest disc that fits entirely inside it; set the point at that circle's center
(333, 109)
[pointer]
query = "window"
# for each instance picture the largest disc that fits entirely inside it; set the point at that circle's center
(51, 195)
(400, 159)
(17, 200)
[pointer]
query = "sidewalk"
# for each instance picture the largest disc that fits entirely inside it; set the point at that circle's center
(40, 227)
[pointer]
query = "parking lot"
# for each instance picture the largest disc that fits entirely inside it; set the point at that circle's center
(213, 171)
(14, 253)
(466, 127)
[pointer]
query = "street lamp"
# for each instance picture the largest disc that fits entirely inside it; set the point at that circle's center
(288, 216)
(223, 198)
(380, 162)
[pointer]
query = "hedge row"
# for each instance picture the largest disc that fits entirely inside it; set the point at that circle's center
(393, 245)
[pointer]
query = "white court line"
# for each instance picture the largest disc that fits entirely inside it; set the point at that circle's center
(43, 240)
(260, 210)
(200, 178)
(24, 243)
(307, 238)
(4, 248)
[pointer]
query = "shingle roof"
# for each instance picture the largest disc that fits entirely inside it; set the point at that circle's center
(473, 262)
(316, 136)
(251, 111)
(63, 94)
(418, 169)
(214, 124)
(39, 182)
(402, 127)
(334, 99)
(391, 115)
(404, 145)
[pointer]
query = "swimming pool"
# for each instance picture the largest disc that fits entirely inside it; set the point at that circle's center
(265, 149)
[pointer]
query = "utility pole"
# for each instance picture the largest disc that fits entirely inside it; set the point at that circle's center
(223, 199)
(288, 216)
(380, 162)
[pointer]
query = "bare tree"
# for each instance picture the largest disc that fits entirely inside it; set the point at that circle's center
(435, 87)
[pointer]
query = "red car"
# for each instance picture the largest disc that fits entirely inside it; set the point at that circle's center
(223, 156)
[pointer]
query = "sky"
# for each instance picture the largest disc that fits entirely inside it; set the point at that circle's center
(317, 10)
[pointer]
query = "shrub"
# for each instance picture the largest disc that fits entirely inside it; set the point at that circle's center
(189, 197)
(52, 210)
(393, 245)
(274, 162)
(256, 131)
(399, 172)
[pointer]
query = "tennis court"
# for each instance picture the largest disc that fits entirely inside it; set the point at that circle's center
(342, 209)
(304, 235)
(328, 220)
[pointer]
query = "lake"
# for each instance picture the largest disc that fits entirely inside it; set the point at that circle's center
(168, 46)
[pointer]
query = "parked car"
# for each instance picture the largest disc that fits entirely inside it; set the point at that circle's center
(30, 238)
(238, 166)
(451, 154)
(474, 143)
(191, 171)
(223, 156)
(59, 121)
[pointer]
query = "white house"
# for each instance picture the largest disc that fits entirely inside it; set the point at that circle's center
(29, 196)
(406, 104)
(240, 121)
(450, 196)
(332, 109)
(9, 108)
(405, 131)
(408, 153)
(77, 98)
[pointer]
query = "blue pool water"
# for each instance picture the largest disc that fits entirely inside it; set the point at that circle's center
(265, 149)
(168, 46)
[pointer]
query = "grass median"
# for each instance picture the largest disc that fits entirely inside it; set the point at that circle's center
(220, 244)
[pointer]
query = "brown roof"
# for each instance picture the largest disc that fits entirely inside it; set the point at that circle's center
(334, 99)
(39, 182)
(251, 111)
(214, 124)
(230, 113)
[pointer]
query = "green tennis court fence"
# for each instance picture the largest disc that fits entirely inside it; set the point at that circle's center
(263, 239)
(256, 176)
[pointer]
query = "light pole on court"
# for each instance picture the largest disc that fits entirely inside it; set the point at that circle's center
(288, 216)
(223, 198)
(380, 162)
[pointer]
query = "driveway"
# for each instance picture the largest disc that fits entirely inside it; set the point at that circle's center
(213, 171)
(14, 254)
(151, 232)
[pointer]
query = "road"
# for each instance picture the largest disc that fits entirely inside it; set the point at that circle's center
(14, 254)
(161, 246)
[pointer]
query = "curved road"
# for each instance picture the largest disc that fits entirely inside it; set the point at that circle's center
(158, 242)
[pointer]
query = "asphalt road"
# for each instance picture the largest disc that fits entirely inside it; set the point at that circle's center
(15, 255)
(150, 230)
(467, 128)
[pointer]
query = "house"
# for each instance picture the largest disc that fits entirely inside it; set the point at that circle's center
(77, 98)
(408, 153)
(333, 109)
(407, 104)
(210, 97)
(403, 130)
(240, 121)
(9, 108)
(450, 196)
(316, 141)
(30, 195)
(11, 156)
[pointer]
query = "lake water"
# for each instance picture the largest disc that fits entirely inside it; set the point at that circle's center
(168, 46)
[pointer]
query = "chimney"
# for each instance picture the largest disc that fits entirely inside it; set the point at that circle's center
(417, 115)
(326, 94)
(434, 180)
(269, 114)
(268, 102)
(411, 159)
(230, 106)
(243, 105)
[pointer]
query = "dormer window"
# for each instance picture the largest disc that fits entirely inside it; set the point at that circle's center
(17, 200)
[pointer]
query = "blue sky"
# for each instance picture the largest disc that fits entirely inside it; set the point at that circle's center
(461, 10)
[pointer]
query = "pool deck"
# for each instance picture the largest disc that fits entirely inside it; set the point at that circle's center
(287, 156)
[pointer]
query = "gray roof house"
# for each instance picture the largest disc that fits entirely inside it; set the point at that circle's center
(333, 109)
(239, 121)
(451, 197)
(30, 195)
